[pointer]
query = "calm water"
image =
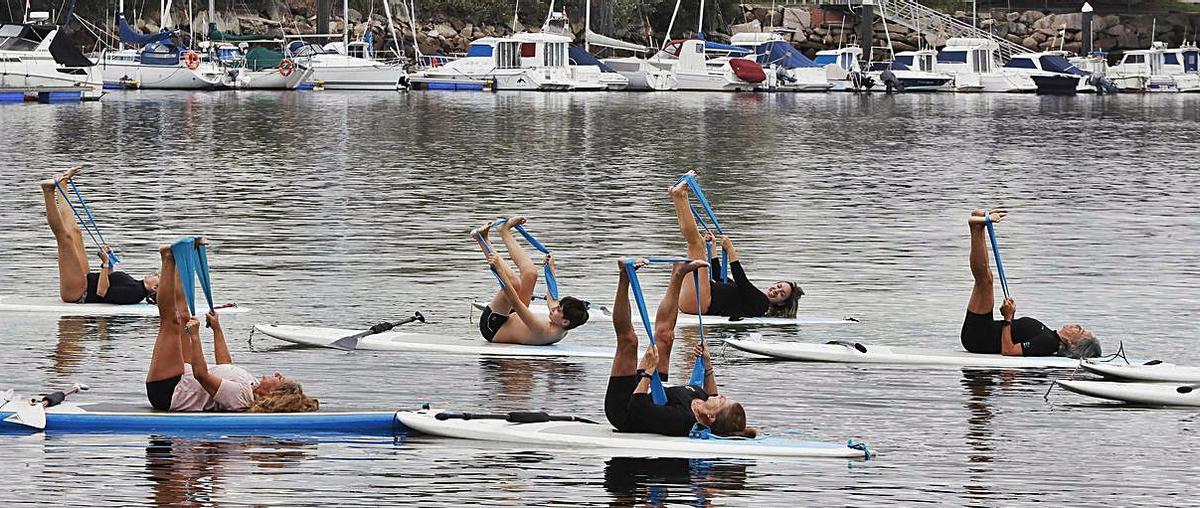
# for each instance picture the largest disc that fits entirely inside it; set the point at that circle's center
(346, 209)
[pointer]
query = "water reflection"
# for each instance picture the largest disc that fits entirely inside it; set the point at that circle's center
(670, 481)
(194, 471)
(525, 380)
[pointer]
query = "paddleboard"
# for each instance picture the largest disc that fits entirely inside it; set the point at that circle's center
(1151, 394)
(601, 437)
(21, 304)
(850, 353)
(1167, 372)
(111, 419)
(605, 315)
(413, 341)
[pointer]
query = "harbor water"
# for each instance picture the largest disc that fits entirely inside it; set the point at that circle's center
(347, 209)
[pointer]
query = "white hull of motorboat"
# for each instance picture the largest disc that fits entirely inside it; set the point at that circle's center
(993, 82)
(21, 69)
(797, 80)
(642, 75)
(341, 72)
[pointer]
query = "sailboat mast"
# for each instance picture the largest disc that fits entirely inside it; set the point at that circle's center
(387, 11)
(670, 25)
(587, 26)
(700, 21)
(346, 26)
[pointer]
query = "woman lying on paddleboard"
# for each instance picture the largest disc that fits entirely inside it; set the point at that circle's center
(76, 282)
(496, 323)
(628, 404)
(180, 378)
(737, 297)
(1025, 336)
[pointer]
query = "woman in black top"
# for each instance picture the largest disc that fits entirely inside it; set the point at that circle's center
(736, 298)
(76, 282)
(628, 404)
(1025, 336)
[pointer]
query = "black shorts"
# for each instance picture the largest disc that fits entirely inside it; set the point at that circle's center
(616, 401)
(490, 323)
(981, 333)
(160, 392)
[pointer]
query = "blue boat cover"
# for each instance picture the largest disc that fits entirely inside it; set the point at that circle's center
(580, 56)
(783, 54)
(716, 46)
(1055, 63)
(131, 36)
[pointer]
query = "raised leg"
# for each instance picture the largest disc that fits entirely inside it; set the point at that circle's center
(72, 256)
(668, 310)
(689, 299)
(525, 267)
(499, 303)
(625, 360)
(167, 359)
(982, 293)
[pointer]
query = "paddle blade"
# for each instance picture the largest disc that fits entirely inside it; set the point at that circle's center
(28, 414)
(346, 343)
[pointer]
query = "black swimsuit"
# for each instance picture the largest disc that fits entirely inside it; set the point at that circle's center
(736, 298)
(490, 323)
(122, 289)
(637, 412)
(981, 334)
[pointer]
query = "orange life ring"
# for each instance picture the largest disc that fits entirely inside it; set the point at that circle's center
(286, 67)
(191, 59)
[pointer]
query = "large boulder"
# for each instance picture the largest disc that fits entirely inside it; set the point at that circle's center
(1012, 17)
(1028, 17)
(1073, 20)
(1128, 40)
(1030, 43)
(1013, 38)
(1048, 32)
(796, 19)
(1105, 42)
(354, 16)
(753, 26)
(1116, 30)
(445, 30)
(1046, 22)
(903, 46)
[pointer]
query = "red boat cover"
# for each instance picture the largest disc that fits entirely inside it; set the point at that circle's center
(747, 70)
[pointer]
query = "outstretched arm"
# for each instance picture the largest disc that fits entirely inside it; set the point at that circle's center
(727, 244)
(199, 366)
(1008, 309)
(710, 381)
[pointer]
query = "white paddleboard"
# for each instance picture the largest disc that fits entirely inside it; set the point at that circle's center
(35, 305)
(414, 341)
(602, 438)
(1167, 372)
(839, 353)
(1151, 394)
(604, 314)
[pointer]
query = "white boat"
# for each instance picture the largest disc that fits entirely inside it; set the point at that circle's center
(343, 65)
(914, 71)
(1183, 64)
(260, 68)
(639, 73)
(975, 67)
(158, 64)
(587, 73)
(496, 63)
(1049, 70)
(32, 57)
(695, 70)
(1144, 70)
(787, 69)
(842, 68)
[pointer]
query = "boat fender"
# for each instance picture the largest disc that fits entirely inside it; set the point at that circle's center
(286, 67)
(191, 59)
(852, 345)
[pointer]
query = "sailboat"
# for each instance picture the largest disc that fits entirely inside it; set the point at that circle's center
(702, 65)
(159, 63)
(345, 64)
(33, 56)
(638, 71)
(257, 68)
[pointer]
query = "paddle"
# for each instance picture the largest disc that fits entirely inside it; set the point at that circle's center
(350, 343)
(32, 413)
(514, 417)
(1187, 388)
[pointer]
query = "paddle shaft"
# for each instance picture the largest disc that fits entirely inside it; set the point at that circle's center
(514, 417)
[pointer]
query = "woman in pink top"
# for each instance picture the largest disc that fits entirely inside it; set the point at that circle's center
(180, 379)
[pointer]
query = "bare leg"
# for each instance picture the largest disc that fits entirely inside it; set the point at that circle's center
(499, 303)
(688, 297)
(525, 267)
(668, 311)
(72, 257)
(982, 293)
(167, 360)
(626, 359)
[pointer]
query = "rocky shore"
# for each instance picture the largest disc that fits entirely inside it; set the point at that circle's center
(810, 28)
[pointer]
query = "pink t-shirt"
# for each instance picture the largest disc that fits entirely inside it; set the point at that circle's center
(236, 392)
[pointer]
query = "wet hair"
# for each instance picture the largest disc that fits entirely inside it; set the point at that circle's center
(288, 397)
(731, 421)
(152, 297)
(1083, 347)
(574, 310)
(787, 309)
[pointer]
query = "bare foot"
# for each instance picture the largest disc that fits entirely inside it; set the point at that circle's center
(688, 267)
(513, 222)
(677, 190)
(165, 250)
(482, 232)
(637, 263)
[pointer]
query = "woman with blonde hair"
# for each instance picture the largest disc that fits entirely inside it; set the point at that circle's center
(180, 379)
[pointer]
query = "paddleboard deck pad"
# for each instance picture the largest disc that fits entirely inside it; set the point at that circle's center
(1149, 394)
(603, 315)
(26, 305)
(1162, 372)
(601, 437)
(420, 342)
(845, 352)
(112, 419)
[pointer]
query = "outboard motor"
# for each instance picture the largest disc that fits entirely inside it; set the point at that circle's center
(890, 81)
(1102, 84)
(784, 75)
(861, 81)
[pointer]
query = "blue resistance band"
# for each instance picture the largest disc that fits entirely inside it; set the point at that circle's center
(191, 261)
(90, 226)
(657, 392)
(723, 270)
(987, 220)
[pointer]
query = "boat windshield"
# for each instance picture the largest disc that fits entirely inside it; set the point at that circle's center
(952, 57)
(826, 59)
(18, 38)
(301, 49)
